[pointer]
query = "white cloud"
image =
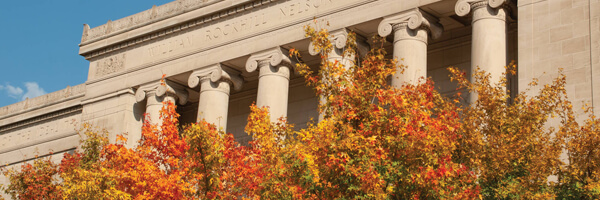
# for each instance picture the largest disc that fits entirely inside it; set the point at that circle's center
(33, 90)
(12, 91)
(15, 92)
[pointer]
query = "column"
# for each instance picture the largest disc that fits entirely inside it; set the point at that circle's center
(273, 80)
(157, 93)
(411, 30)
(339, 40)
(215, 82)
(488, 46)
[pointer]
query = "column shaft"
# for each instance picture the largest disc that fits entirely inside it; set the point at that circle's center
(410, 48)
(158, 92)
(154, 104)
(273, 89)
(488, 47)
(412, 29)
(214, 102)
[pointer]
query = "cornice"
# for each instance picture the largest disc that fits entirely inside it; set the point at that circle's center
(234, 8)
(227, 42)
(156, 13)
(43, 101)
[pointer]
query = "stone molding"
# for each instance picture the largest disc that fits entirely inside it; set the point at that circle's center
(42, 118)
(238, 7)
(273, 57)
(413, 19)
(156, 13)
(215, 73)
(107, 96)
(42, 101)
(464, 7)
(210, 46)
(161, 88)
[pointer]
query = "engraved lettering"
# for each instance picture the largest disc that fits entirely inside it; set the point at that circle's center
(295, 8)
(217, 32)
(170, 46)
(244, 24)
(226, 29)
(207, 33)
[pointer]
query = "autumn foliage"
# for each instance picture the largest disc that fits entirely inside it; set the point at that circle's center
(374, 142)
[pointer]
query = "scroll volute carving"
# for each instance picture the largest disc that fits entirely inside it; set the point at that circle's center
(274, 57)
(162, 88)
(463, 7)
(338, 38)
(215, 73)
(414, 19)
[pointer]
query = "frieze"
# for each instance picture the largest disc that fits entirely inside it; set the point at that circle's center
(37, 132)
(110, 65)
(239, 25)
(235, 23)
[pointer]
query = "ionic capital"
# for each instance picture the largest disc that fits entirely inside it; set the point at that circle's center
(339, 39)
(413, 19)
(464, 7)
(215, 73)
(160, 89)
(273, 57)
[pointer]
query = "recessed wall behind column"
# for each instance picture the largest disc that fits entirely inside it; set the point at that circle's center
(239, 109)
(302, 107)
(453, 49)
(302, 104)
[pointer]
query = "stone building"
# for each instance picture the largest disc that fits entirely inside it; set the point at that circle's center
(220, 56)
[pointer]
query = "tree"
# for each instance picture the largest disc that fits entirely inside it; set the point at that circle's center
(374, 142)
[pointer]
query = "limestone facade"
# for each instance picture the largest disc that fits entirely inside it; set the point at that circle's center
(220, 56)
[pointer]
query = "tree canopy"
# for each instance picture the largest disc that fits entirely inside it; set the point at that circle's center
(375, 141)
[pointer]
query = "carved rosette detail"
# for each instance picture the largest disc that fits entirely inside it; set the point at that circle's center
(168, 88)
(274, 57)
(215, 73)
(464, 7)
(110, 65)
(413, 19)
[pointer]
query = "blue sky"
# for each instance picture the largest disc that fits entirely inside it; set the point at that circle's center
(39, 42)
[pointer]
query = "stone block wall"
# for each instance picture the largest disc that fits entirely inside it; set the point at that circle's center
(117, 113)
(561, 34)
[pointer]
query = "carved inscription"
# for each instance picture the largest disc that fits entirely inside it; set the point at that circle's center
(297, 8)
(37, 133)
(110, 65)
(239, 25)
(252, 21)
(170, 46)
